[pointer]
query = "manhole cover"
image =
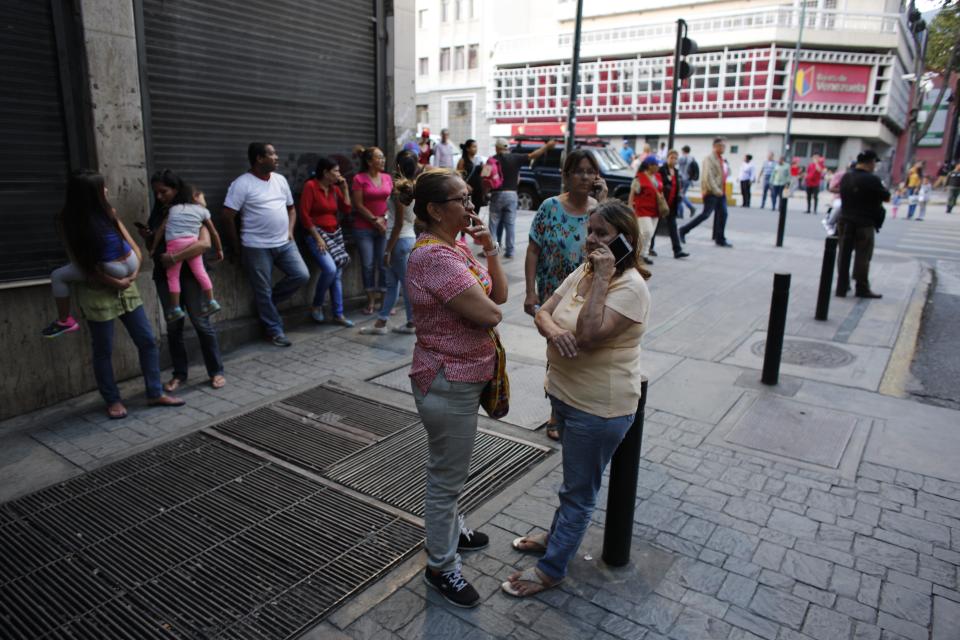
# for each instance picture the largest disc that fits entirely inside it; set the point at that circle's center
(804, 353)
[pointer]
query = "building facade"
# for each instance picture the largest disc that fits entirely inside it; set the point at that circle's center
(850, 91)
(128, 87)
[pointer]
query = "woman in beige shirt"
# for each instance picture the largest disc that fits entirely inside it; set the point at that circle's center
(593, 324)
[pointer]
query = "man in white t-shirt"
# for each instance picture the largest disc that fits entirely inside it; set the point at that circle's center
(264, 203)
(443, 152)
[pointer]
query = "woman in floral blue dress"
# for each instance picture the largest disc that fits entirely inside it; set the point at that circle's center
(558, 232)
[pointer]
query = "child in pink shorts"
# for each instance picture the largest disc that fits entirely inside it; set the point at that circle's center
(180, 230)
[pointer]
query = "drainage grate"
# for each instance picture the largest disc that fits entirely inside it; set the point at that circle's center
(194, 539)
(294, 438)
(337, 408)
(393, 470)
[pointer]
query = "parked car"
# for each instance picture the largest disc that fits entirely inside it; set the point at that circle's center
(541, 179)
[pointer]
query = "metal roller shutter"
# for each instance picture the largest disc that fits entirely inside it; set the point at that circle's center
(34, 167)
(220, 74)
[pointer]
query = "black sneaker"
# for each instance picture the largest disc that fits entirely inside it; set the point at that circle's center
(453, 587)
(471, 540)
(281, 340)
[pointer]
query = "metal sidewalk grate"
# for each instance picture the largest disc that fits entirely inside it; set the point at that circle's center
(338, 408)
(294, 438)
(393, 470)
(194, 539)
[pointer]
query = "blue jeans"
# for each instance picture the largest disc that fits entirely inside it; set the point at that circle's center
(588, 444)
(685, 201)
(191, 297)
(330, 279)
(396, 277)
(711, 204)
(503, 217)
(259, 264)
(767, 188)
(371, 245)
(776, 195)
(912, 207)
(138, 327)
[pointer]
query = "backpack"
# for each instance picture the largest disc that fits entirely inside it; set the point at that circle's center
(492, 175)
(693, 171)
(834, 186)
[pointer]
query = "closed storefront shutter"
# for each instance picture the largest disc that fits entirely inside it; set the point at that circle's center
(221, 74)
(36, 158)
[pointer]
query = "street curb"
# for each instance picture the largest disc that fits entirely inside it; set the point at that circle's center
(897, 374)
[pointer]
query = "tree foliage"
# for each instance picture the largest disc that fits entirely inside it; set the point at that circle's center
(943, 37)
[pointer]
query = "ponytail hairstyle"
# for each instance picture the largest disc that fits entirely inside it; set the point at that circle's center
(366, 156)
(324, 164)
(407, 168)
(466, 145)
(85, 215)
(622, 218)
(433, 185)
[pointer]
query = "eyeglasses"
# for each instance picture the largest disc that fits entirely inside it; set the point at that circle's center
(464, 200)
(589, 173)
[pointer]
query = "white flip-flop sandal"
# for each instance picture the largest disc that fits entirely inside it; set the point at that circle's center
(527, 575)
(539, 539)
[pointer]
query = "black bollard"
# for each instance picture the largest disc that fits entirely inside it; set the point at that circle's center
(622, 494)
(826, 277)
(782, 224)
(775, 328)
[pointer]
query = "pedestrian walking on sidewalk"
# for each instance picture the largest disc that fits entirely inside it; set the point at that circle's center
(669, 177)
(780, 183)
(766, 175)
(713, 182)
(323, 200)
(748, 174)
(503, 199)
(263, 201)
(953, 187)
(470, 168)
(689, 172)
(455, 307)
(557, 234)
(861, 216)
(372, 188)
(94, 234)
(593, 325)
(923, 197)
(814, 176)
(645, 191)
(166, 186)
(444, 151)
(914, 180)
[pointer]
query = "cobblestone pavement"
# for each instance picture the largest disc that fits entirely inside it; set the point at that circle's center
(728, 544)
(760, 549)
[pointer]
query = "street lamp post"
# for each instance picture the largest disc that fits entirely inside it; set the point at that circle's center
(793, 81)
(574, 81)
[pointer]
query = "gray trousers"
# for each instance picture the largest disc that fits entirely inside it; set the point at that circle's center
(449, 414)
(61, 278)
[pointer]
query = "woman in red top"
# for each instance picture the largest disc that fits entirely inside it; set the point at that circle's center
(644, 192)
(323, 197)
(671, 191)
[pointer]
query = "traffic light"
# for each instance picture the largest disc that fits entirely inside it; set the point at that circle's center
(687, 47)
(915, 20)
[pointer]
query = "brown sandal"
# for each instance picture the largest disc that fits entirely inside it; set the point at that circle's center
(218, 381)
(116, 411)
(172, 385)
(166, 401)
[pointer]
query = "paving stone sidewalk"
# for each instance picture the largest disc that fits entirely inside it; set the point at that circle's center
(729, 543)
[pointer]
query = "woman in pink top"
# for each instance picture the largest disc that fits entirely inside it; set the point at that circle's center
(455, 305)
(371, 190)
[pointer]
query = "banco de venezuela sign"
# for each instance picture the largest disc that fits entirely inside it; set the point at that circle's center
(843, 83)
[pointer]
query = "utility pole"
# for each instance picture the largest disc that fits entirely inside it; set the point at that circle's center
(917, 27)
(574, 82)
(793, 81)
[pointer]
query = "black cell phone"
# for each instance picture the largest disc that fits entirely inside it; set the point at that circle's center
(621, 248)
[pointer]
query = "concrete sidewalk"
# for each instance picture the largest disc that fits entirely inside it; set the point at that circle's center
(826, 507)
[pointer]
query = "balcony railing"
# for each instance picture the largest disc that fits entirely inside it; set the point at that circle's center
(770, 17)
(726, 82)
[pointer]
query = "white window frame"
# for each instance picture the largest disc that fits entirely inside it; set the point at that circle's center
(420, 64)
(445, 111)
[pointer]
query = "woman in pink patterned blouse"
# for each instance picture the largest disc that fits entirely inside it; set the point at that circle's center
(455, 305)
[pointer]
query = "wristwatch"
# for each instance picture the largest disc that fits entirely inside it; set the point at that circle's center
(492, 252)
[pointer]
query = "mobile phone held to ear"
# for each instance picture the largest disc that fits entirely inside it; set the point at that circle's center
(621, 248)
